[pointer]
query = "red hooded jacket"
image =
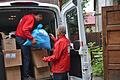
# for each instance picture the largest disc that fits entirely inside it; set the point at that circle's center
(60, 58)
(25, 27)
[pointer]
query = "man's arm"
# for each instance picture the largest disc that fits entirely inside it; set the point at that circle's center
(27, 27)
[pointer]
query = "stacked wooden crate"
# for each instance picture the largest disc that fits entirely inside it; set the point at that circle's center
(12, 58)
(41, 68)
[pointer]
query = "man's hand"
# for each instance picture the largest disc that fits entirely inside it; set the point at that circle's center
(45, 59)
(34, 42)
(49, 58)
(51, 35)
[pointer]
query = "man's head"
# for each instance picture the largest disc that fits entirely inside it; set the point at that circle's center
(38, 16)
(61, 31)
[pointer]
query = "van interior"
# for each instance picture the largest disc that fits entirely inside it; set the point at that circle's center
(11, 17)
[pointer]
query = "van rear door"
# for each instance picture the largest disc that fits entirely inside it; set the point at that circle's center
(80, 58)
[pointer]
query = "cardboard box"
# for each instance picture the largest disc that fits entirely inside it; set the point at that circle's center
(13, 73)
(37, 55)
(12, 58)
(9, 44)
(3, 35)
(42, 73)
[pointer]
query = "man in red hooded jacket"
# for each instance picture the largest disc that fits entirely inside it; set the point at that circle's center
(60, 58)
(23, 32)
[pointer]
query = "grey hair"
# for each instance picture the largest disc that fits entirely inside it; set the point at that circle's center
(62, 29)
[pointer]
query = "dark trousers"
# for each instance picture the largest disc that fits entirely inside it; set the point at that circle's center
(60, 76)
(27, 64)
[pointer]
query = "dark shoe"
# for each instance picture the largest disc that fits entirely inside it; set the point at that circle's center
(28, 78)
(31, 78)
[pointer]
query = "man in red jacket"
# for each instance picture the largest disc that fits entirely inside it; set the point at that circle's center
(60, 58)
(23, 32)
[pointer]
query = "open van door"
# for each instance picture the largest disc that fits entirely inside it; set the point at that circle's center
(72, 18)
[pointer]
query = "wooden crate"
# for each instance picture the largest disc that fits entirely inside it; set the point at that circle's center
(42, 73)
(37, 55)
(12, 58)
(13, 73)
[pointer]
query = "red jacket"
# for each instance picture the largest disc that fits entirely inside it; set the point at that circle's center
(60, 58)
(25, 27)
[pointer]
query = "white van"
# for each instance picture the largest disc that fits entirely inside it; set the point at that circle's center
(12, 11)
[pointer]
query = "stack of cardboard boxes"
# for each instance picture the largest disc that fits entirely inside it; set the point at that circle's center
(41, 68)
(12, 58)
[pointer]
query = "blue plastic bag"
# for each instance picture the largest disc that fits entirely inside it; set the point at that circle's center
(42, 38)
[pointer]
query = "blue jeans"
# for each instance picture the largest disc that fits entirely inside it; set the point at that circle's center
(27, 66)
(60, 76)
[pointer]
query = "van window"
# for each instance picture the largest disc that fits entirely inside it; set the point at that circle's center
(72, 24)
